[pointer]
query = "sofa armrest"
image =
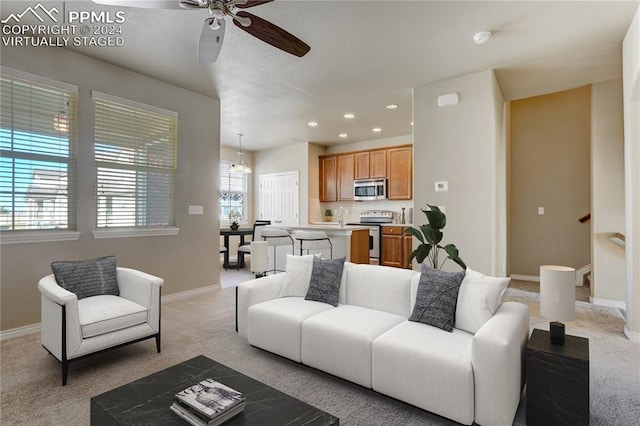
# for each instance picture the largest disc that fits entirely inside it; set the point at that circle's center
(497, 356)
(50, 289)
(253, 292)
(143, 289)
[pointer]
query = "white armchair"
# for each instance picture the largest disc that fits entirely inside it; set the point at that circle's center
(73, 329)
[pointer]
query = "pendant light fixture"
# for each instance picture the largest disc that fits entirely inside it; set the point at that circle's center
(240, 166)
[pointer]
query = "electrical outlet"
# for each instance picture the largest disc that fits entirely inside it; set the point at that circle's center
(441, 186)
(540, 211)
(196, 210)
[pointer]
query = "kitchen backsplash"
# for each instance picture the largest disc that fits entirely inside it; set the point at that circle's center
(351, 209)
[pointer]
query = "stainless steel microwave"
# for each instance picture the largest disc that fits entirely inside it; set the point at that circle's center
(369, 189)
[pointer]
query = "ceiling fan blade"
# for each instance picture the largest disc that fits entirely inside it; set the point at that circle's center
(210, 41)
(250, 3)
(144, 4)
(272, 34)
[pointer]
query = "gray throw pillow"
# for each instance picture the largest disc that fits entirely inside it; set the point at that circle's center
(88, 278)
(324, 285)
(437, 298)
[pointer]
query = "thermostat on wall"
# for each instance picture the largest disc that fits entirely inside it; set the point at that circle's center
(442, 186)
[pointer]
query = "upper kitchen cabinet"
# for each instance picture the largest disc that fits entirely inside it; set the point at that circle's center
(371, 164)
(328, 178)
(400, 173)
(346, 173)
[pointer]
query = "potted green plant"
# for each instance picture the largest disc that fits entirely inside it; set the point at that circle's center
(430, 235)
(328, 215)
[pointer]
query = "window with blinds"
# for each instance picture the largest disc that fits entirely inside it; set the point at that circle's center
(233, 192)
(135, 147)
(37, 153)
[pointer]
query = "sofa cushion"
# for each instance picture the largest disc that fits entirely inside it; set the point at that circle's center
(437, 298)
(326, 276)
(381, 288)
(87, 278)
(479, 298)
(427, 367)
(338, 341)
(297, 276)
(104, 314)
(275, 325)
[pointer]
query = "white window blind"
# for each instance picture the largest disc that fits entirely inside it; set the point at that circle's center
(233, 191)
(37, 153)
(135, 149)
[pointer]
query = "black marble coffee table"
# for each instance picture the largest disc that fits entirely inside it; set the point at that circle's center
(146, 401)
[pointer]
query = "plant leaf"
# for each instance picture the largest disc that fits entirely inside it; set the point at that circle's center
(420, 253)
(416, 233)
(436, 218)
(434, 236)
(452, 251)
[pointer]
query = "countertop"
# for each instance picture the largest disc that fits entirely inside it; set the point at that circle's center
(403, 225)
(329, 227)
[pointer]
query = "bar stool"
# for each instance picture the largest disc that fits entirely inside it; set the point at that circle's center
(275, 238)
(313, 240)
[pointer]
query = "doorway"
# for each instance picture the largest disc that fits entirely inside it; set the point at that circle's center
(278, 198)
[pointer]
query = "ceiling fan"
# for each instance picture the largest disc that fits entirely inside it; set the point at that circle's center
(213, 27)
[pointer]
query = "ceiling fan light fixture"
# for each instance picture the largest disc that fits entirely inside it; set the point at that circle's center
(482, 37)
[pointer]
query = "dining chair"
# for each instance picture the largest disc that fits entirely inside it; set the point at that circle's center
(246, 247)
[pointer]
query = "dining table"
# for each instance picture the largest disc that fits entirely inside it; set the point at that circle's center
(228, 232)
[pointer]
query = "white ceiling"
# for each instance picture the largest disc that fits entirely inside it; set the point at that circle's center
(365, 55)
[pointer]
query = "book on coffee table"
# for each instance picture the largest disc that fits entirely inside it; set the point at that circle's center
(209, 402)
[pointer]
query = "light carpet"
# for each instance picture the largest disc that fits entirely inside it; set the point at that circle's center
(31, 393)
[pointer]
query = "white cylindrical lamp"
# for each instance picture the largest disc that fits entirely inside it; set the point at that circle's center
(557, 298)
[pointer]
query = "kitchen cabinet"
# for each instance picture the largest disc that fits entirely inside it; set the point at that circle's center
(400, 173)
(338, 171)
(359, 246)
(328, 178)
(346, 172)
(371, 164)
(396, 247)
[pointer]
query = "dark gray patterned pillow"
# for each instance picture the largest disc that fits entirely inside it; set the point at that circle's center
(88, 278)
(325, 280)
(437, 298)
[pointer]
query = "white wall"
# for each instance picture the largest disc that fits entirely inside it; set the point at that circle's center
(187, 260)
(461, 144)
(286, 158)
(631, 100)
(607, 193)
(370, 144)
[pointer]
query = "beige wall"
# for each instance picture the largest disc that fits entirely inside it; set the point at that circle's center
(186, 261)
(370, 144)
(607, 193)
(550, 139)
(631, 99)
(461, 144)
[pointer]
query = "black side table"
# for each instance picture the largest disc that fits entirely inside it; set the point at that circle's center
(557, 381)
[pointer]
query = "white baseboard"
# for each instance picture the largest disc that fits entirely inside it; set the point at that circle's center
(525, 277)
(633, 336)
(19, 331)
(608, 302)
(189, 293)
(35, 328)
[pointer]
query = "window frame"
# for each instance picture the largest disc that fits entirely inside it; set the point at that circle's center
(126, 231)
(224, 220)
(70, 92)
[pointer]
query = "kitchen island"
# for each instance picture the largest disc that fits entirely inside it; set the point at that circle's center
(350, 241)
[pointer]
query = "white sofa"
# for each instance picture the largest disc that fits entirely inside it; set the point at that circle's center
(368, 340)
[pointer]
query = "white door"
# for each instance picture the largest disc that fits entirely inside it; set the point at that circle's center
(279, 198)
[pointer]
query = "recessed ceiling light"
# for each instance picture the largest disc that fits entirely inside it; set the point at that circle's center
(412, 123)
(343, 135)
(482, 37)
(391, 106)
(312, 124)
(349, 115)
(376, 129)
